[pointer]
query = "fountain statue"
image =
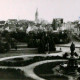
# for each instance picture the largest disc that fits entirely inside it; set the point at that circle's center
(72, 48)
(71, 66)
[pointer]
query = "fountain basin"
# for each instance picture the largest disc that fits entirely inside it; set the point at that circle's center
(53, 71)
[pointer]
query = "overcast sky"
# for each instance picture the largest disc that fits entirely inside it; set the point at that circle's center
(48, 9)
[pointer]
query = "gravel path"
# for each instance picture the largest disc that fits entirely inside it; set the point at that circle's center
(28, 70)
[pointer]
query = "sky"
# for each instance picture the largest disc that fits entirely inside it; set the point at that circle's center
(69, 10)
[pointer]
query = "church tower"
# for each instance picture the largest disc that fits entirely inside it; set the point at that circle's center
(36, 16)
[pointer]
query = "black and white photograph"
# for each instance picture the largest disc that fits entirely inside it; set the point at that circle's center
(39, 39)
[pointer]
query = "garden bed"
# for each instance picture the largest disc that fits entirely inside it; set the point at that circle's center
(45, 71)
(24, 62)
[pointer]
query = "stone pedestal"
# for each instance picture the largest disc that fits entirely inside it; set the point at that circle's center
(72, 66)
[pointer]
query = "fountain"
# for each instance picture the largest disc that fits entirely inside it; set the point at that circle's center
(69, 69)
(72, 65)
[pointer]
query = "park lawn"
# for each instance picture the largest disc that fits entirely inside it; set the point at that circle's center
(18, 53)
(13, 74)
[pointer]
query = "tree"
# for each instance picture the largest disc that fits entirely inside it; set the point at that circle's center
(41, 46)
(65, 55)
(54, 24)
(7, 47)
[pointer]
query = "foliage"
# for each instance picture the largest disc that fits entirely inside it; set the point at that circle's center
(65, 55)
(22, 62)
(12, 74)
(54, 24)
(19, 36)
(6, 42)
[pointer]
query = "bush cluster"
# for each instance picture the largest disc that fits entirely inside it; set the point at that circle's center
(22, 62)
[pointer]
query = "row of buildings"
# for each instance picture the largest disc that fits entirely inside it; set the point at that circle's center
(14, 25)
(22, 25)
(25, 25)
(73, 27)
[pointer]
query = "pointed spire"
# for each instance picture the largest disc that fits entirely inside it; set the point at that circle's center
(36, 16)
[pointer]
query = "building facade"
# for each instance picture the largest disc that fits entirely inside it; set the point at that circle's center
(57, 23)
